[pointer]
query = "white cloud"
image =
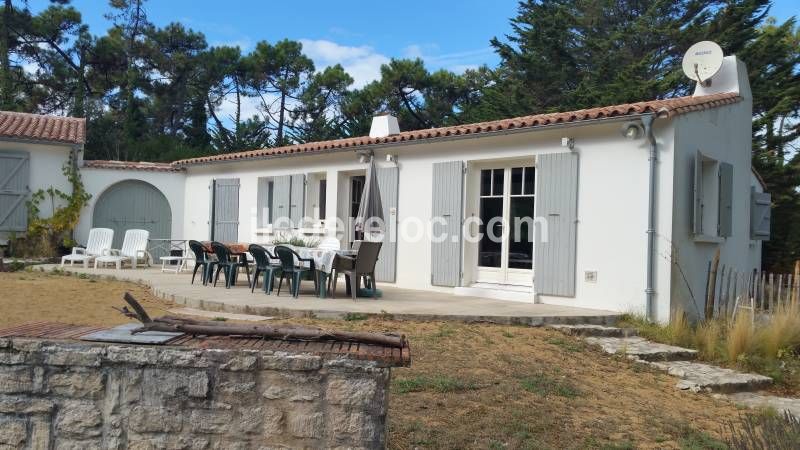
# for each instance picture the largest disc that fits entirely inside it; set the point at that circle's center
(457, 61)
(363, 63)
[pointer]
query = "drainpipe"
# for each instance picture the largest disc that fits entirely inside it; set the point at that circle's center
(647, 122)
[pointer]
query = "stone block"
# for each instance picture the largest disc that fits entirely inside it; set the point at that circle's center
(16, 379)
(79, 419)
(351, 391)
(85, 444)
(129, 354)
(72, 355)
(284, 361)
(183, 358)
(81, 384)
(242, 362)
(154, 419)
(358, 425)
(24, 405)
(14, 357)
(166, 383)
(13, 432)
(273, 421)
(305, 423)
(40, 434)
(210, 421)
(5, 343)
(294, 386)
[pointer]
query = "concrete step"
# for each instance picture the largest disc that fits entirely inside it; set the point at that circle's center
(760, 400)
(594, 330)
(642, 349)
(699, 377)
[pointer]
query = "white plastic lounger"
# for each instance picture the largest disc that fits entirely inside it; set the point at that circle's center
(134, 249)
(100, 240)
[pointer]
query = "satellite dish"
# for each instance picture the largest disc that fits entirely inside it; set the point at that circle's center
(702, 61)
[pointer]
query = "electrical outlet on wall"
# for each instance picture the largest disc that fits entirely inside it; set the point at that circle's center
(590, 276)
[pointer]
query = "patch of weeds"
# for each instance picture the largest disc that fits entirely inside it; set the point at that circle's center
(507, 334)
(698, 440)
(445, 330)
(351, 317)
(567, 344)
(383, 315)
(437, 383)
(83, 276)
(220, 319)
(544, 385)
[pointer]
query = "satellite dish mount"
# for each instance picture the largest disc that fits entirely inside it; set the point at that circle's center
(702, 61)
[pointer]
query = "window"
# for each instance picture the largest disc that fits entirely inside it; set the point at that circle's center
(264, 202)
(323, 188)
(713, 197)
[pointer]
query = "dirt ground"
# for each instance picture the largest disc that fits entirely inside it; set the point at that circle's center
(469, 386)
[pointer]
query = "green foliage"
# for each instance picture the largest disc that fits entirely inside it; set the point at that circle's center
(45, 235)
(545, 385)
(296, 241)
(352, 317)
(438, 383)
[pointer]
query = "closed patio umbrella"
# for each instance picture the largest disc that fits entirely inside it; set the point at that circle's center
(371, 206)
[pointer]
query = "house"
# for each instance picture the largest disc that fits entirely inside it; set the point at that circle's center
(625, 204)
(34, 149)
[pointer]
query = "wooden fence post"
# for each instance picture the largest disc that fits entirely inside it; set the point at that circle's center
(712, 284)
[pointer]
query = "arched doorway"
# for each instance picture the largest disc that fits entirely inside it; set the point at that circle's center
(133, 204)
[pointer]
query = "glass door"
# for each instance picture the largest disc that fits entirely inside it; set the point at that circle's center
(506, 210)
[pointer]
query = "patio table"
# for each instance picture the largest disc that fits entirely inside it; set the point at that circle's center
(323, 261)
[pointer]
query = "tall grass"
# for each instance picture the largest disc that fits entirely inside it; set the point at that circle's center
(768, 338)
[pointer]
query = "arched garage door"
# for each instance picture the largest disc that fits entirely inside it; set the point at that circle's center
(133, 204)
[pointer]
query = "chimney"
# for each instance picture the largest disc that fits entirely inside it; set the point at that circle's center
(384, 125)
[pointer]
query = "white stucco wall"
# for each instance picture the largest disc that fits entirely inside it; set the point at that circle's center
(612, 208)
(171, 184)
(725, 135)
(46, 164)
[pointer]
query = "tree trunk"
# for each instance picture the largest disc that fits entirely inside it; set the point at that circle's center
(6, 88)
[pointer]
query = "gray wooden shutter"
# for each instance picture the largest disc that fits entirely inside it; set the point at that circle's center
(386, 268)
(262, 202)
(226, 210)
(281, 191)
(448, 183)
(760, 215)
(297, 200)
(725, 222)
(14, 180)
(557, 203)
(697, 199)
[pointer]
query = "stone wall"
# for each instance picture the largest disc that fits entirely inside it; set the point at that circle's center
(76, 395)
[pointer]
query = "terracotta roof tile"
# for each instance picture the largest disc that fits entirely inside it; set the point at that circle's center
(665, 108)
(126, 165)
(37, 127)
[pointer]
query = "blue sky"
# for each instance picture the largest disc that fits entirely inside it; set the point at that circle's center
(361, 35)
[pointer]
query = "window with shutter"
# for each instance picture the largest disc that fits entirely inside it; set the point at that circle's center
(760, 215)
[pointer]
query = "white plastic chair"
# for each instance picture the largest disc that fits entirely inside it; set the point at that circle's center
(99, 242)
(134, 248)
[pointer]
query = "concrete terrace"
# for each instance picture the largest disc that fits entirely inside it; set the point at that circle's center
(401, 304)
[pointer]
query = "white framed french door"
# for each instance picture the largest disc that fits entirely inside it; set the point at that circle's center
(506, 202)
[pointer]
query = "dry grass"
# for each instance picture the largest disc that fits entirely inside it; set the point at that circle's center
(770, 347)
(740, 338)
(470, 385)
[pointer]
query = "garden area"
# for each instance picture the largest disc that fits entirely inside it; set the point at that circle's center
(469, 385)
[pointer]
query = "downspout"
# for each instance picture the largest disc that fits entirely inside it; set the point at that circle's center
(650, 292)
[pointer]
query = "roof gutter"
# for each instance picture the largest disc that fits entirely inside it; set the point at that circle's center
(367, 147)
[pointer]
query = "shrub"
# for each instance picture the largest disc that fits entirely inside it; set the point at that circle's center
(782, 335)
